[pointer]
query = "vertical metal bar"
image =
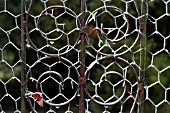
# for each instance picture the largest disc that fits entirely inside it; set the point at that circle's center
(23, 57)
(143, 40)
(82, 57)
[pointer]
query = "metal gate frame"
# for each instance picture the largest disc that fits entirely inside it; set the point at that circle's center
(83, 35)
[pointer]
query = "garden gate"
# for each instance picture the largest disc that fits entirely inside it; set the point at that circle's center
(78, 56)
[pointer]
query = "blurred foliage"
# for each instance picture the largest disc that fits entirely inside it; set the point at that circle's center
(155, 63)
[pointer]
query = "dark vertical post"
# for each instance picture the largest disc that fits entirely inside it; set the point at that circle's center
(23, 56)
(143, 40)
(82, 56)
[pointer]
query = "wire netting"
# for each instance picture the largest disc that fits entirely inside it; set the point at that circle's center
(120, 46)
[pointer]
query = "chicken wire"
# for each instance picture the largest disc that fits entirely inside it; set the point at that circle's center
(107, 51)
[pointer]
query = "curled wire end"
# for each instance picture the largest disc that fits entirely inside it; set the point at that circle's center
(62, 85)
(28, 93)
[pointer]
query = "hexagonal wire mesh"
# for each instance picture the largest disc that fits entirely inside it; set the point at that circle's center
(99, 56)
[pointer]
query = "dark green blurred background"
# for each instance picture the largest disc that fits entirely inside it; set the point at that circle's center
(157, 78)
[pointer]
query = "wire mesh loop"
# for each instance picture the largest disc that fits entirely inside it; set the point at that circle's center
(60, 32)
(103, 78)
(119, 32)
(49, 74)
